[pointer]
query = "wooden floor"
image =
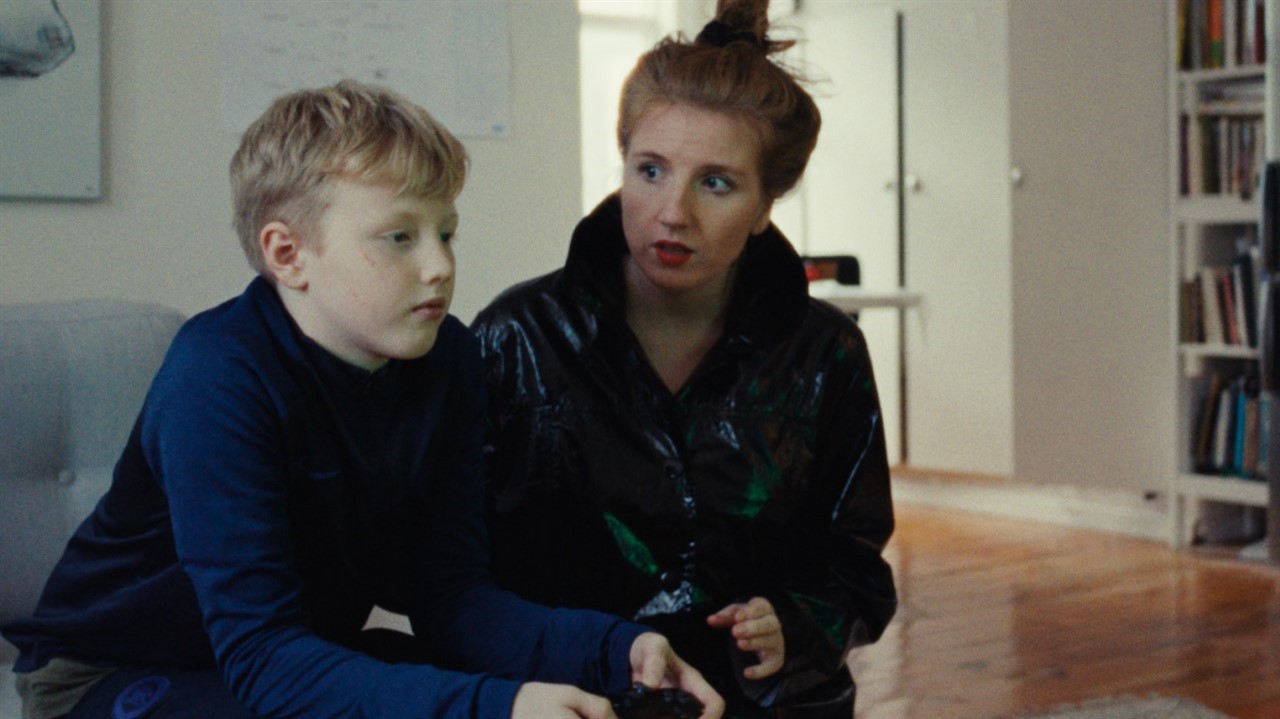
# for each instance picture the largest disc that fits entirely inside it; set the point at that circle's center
(1000, 616)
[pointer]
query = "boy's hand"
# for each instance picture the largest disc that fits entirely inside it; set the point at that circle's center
(538, 700)
(756, 627)
(655, 664)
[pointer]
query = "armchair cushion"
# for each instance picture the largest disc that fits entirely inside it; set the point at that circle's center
(72, 379)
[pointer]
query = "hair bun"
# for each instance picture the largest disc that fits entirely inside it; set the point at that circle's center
(721, 34)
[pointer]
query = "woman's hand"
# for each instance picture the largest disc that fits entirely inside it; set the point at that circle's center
(756, 627)
(538, 700)
(655, 664)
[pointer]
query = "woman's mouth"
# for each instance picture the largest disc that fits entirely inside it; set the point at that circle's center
(672, 254)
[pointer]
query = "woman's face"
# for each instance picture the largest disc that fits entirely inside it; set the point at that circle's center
(691, 195)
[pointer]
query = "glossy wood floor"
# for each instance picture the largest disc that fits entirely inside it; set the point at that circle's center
(1000, 616)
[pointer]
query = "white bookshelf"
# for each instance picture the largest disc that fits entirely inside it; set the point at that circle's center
(1219, 144)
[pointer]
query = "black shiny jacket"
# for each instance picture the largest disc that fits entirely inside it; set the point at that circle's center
(765, 475)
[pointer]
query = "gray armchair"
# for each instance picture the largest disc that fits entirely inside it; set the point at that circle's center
(72, 379)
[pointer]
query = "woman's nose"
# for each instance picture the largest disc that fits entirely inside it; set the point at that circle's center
(675, 206)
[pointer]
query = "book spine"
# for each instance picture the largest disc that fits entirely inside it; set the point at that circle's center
(1211, 307)
(1264, 433)
(1215, 18)
(1222, 432)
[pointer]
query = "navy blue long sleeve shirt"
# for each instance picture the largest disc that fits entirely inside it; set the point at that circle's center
(270, 495)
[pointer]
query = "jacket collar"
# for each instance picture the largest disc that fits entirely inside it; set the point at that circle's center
(770, 295)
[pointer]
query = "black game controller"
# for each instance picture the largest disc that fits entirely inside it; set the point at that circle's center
(642, 702)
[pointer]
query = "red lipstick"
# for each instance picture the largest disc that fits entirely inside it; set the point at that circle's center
(672, 254)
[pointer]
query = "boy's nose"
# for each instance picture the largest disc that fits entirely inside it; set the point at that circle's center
(436, 263)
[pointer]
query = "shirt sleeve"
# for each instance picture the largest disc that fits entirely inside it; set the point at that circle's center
(215, 435)
(463, 611)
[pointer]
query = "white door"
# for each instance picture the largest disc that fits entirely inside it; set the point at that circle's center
(850, 191)
(950, 399)
(957, 235)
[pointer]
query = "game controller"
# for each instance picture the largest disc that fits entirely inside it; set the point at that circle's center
(642, 702)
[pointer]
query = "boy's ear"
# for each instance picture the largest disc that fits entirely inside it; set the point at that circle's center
(281, 250)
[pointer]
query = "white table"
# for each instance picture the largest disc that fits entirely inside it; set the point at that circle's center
(855, 298)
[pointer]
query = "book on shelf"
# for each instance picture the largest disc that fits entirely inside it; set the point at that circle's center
(1264, 432)
(1205, 400)
(1227, 306)
(1244, 297)
(1222, 429)
(1209, 308)
(1214, 34)
(1192, 158)
(1220, 152)
(1185, 169)
(1247, 439)
(1189, 306)
(1219, 303)
(1229, 436)
(1214, 20)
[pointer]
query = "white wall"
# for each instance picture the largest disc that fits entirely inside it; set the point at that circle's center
(163, 232)
(1040, 351)
(1094, 371)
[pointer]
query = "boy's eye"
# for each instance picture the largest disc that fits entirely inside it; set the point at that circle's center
(399, 237)
(447, 230)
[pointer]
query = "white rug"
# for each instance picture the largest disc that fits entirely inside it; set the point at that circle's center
(1129, 708)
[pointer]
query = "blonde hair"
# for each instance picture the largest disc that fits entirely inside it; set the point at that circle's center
(350, 130)
(728, 68)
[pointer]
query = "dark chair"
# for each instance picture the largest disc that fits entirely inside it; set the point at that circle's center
(844, 269)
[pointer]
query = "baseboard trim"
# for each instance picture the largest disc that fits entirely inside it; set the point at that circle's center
(1127, 513)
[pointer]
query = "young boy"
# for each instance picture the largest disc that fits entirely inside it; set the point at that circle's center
(311, 449)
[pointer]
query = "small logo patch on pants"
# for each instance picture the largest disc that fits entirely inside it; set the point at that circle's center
(139, 698)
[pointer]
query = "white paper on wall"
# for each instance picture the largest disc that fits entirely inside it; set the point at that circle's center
(450, 56)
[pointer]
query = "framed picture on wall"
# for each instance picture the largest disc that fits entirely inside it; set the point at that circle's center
(51, 99)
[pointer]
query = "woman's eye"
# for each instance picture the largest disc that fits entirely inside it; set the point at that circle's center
(650, 171)
(718, 184)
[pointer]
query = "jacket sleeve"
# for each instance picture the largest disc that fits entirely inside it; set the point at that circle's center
(840, 592)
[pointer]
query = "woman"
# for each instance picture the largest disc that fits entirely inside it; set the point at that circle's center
(677, 432)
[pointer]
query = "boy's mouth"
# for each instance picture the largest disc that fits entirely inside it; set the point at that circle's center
(433, 309)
